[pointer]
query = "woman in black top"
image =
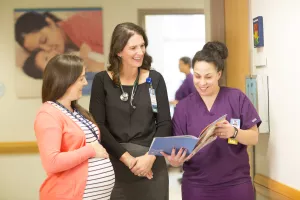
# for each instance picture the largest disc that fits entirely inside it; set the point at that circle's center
(129, 117)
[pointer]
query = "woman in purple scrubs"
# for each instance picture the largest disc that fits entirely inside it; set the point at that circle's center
(219, 171)
(187, 87)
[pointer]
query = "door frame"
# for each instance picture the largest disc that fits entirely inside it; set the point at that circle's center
(143, 12)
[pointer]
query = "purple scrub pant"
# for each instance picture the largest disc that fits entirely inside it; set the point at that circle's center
(244, 191)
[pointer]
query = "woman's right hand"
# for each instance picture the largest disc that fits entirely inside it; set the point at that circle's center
(99, 149)
(131, 161)
(128, 160)
(177, 160)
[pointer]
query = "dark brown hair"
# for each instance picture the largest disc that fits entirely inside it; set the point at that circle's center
(212, 52)
(24, 24)
(30, 68)
(186, 60)
(121, 34)
(60, 73)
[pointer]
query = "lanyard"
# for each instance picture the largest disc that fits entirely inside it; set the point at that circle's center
(82, 119)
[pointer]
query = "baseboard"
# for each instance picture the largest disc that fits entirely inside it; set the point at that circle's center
(277, 187)
(18, 147)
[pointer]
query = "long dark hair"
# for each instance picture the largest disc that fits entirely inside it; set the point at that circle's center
(30, 68)
(121, 34)
(213, 52)
(60, 73)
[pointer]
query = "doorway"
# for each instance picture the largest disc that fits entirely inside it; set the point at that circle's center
(173, 34)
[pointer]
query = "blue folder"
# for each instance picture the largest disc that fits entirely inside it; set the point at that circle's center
(189, 142)
(166, 144)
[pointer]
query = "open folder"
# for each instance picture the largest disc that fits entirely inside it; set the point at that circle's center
(191, 143)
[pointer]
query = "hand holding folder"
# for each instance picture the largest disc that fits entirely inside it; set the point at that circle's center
(191, 143)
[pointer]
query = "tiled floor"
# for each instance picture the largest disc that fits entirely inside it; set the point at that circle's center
(262, 193)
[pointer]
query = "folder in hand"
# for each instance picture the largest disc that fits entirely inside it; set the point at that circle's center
(191, 143)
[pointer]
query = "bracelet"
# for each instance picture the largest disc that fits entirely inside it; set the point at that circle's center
(235, 132)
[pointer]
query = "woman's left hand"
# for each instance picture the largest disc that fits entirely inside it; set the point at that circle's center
(224, 130)
(143, 165)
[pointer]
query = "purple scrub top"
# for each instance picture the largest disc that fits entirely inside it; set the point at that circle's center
(186, 88)
(219, 164)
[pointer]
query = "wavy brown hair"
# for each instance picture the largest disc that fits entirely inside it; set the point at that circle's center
(121, 34)
(61, 72)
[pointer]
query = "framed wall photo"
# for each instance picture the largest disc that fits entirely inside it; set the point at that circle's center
(258, 32)
(40, 34)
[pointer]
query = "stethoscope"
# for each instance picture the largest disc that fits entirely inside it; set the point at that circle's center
(124, 96)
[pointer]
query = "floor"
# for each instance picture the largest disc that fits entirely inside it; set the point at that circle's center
(262, 193)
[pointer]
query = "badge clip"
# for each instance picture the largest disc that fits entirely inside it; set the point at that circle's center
(152, 95)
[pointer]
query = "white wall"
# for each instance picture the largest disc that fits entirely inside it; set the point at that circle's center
(24, 174)
(282, 41)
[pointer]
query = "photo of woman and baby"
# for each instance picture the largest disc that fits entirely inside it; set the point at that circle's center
(40, 34)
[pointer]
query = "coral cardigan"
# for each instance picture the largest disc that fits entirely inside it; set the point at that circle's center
(64, 154)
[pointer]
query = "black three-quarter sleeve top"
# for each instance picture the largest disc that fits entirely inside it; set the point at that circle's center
(119, 122)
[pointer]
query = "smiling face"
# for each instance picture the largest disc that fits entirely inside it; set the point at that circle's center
(206, 78)
(133, 53)
(74, 92)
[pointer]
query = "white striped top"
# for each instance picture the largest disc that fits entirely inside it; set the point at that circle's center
(101, 176)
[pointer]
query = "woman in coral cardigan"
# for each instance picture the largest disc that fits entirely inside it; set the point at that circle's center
(76, 164)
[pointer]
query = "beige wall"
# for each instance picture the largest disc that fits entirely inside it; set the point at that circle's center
(277, 154)
(114, 12)
(21, 176)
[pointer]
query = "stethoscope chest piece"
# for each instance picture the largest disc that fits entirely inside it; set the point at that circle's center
(124, 96)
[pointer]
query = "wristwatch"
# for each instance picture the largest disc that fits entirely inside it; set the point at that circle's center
(235, 132)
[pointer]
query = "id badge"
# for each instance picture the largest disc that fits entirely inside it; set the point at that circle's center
(236, 123)
(232, 141)
(153, 100)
